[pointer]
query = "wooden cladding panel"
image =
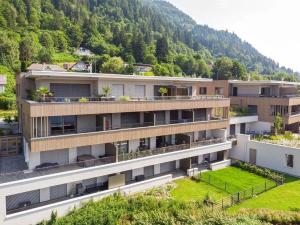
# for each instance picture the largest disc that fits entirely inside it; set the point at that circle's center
(263, 105)
(64, 109)
(71, 141)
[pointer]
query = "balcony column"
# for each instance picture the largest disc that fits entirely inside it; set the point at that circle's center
(289, 110)
(193, 111)
(154, 118)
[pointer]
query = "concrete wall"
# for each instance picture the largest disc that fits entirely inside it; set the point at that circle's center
(34, 216)
(268, 155)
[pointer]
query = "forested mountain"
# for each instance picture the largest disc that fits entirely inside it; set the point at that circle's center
(142, 31)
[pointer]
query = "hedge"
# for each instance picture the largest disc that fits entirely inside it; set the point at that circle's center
(7, 103)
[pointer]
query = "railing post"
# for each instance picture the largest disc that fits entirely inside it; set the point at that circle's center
(265, 185)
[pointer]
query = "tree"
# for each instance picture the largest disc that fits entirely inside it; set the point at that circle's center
(29, 48)
(150, 59)
(46, 40)
(238, 70)
(277, 124)
(45, 56)
(75, 35)
(113, 65)
(138, 48)
(202, 69)
(222, 69)
(162, 49)
(9, 51)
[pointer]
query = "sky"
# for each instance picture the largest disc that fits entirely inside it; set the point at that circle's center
(271, 26)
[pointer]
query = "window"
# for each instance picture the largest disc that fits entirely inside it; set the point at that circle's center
(144, 143)
(62, 125)
(219, 91)
(104, 122)
(203, 91)
(289, 160)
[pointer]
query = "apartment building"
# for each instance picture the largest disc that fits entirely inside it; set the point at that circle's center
(267, 99)
(102, 133)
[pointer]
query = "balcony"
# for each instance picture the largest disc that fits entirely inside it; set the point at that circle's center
(14, 176)
(75, 106)
(136, 131)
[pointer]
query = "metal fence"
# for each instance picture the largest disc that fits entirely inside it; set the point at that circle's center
(236, 195)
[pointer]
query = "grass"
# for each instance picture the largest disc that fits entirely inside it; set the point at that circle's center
(236, 178)
(189, 190)
(285, 197)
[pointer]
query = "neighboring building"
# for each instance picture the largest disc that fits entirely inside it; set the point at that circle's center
(79, 146)
(142, 68)
(84, 52)
(2, 83)
(268, 99)
(45, 67)
(81, 67)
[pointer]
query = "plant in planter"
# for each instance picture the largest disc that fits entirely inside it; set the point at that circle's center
(43, 92)
(163, 91)
(83, 100)
(124, 98)
(106, 91)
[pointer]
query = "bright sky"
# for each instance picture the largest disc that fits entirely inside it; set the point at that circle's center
(271, 26)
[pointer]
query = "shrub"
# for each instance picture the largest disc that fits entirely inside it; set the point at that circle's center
(7, 103)
(267, 173)
(124, 98)
(83, 100)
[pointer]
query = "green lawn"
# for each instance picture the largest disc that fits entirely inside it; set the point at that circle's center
(189, 190)
(237, 180)
(285, 197)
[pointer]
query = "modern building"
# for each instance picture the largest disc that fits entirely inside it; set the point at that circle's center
(268, 99)
(102, 133)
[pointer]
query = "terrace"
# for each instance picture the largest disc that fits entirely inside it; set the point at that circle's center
(288, 139)
(104, 160)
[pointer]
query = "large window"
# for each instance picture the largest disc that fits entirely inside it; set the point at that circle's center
(203, 91)
(104, 122)
(62, 125)
(289, 160)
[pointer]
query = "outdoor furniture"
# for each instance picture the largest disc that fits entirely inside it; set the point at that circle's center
(46, 166)
(87, 160)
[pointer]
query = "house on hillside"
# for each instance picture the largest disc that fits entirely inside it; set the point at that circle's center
(2, 83)
(81, 66)
(45, 67)
(84, 52)
(139, 67)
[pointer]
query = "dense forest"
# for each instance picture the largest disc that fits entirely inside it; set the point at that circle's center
(118, 31)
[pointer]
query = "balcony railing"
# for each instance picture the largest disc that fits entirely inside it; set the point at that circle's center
(130, 125)
(9, 177)
(126, 99)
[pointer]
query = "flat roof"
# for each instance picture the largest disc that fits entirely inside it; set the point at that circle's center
(104, 76)
(264, 82)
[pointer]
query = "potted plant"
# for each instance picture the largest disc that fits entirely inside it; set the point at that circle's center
(124, 98)
(83, 100)
(163, 91)
(43, 92)
(106, 91)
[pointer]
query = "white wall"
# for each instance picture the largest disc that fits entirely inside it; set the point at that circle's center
(260, 127)
(36, 215)
(268, 155)
(98, 150)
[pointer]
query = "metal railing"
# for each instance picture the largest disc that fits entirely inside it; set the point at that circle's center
(125, 99)
(19, 175)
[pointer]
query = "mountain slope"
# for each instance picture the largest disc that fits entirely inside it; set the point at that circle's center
(47, 30)
(219, 43)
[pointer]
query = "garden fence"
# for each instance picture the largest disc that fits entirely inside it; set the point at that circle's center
(236, 195)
